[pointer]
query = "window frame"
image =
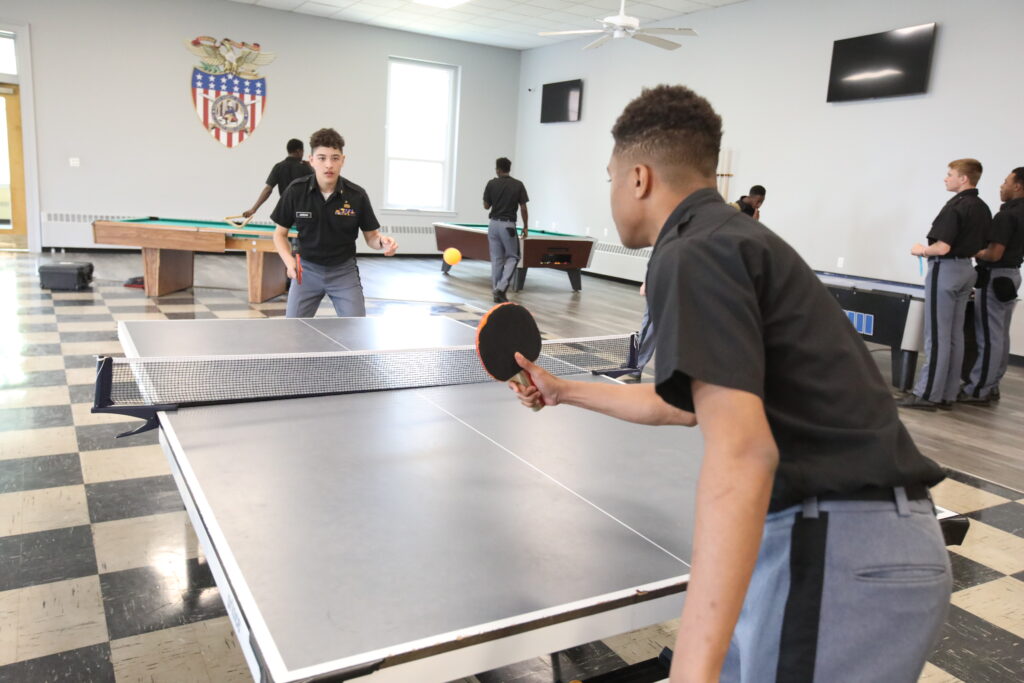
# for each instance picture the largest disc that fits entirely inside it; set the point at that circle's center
(449, 165)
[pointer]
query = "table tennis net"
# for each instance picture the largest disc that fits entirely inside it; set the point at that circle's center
(142, 386)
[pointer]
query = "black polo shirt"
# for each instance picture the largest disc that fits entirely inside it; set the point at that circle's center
(744, 207)
(284, 172)
(1008, 229)
(962, 224)
(505, 194)
(733, 305)
(327, 228)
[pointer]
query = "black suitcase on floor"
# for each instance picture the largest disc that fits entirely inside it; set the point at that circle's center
(65, 275)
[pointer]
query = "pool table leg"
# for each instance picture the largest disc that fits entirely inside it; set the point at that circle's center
(166, 270)
(904, 365)
(267, 275)
(575, 279)
(520, 278)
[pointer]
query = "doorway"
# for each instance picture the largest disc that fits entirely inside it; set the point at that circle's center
(13, 226)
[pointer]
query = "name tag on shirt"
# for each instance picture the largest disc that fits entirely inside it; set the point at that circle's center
(303, 214)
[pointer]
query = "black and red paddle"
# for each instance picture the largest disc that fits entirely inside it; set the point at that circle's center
(504, 330)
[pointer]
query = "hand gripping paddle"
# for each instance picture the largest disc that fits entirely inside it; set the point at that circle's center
(505, 329)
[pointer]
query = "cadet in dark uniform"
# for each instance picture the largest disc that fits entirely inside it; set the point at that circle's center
(328, 211)
(750, 204)
(504, 196)
(806, 463)
(284, 172)
(996, 292)
(957, 234)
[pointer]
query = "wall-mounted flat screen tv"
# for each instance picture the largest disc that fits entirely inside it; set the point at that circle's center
(561, 101)
(882, 64)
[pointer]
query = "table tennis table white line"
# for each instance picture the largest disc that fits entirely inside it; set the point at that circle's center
(269, 650)
(557, 482)
(305, 322)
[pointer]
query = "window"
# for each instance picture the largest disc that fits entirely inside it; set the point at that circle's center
(422, 115)
(8, 65)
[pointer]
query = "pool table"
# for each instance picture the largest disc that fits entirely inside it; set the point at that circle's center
(168, 246)
(540, 249)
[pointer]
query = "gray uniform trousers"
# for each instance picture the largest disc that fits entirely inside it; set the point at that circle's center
(843, 592)
(341, 283)
(504, 247)
(947, 288)
(992, 332)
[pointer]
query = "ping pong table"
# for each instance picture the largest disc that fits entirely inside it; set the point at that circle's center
(419, 534)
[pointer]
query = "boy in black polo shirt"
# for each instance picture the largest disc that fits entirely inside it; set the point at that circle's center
(282, 174)
(504, 196)
(816, 555)
(957, 234)
(328, 211)
(996, 292)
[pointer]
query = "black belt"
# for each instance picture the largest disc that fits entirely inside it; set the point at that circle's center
(949, 258)
(914, 492)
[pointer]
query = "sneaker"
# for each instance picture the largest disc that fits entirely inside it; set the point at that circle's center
(915, 401)
(973, 400)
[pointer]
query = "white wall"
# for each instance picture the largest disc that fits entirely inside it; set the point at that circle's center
(112, 88)
(860, 180)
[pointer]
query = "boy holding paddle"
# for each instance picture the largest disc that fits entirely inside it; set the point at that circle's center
(817, 555)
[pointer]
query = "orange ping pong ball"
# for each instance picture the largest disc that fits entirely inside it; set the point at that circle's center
(452, 256)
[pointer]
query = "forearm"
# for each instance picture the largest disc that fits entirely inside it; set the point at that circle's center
(526, 219)
(938, 249)
(637, 403)
(283, 246)
(264, 195)
(732, 501)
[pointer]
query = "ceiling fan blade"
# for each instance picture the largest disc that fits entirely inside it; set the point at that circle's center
(657, 42)
(571, 33)
(674, 31)
(599, 42)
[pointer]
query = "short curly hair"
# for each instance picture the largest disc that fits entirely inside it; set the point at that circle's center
(326, 137)
(672, 126)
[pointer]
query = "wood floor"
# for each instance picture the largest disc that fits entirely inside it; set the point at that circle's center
(987, 442)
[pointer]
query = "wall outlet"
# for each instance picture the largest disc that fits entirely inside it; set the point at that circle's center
(74, 162)
(840, 261)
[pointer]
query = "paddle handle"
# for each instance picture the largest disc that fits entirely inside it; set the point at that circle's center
(523, 379)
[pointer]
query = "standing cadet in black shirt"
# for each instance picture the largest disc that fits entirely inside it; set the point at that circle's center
(957, 234)
(996, 292)
(328, 212)
(750, 204)
(504, 196)
(284, 172)
(806, 463)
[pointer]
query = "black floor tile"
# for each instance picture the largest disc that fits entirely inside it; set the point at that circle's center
(199, 315)
(42, 472)
(93, 318)
(141, 308)
(71, 303)
(82, 393)
(28, 328)
(101, 437)
(1019, 576)
(1009, 517)
(104, 335)
(982, 484)
(240, 306)
(148, 599)
(42, 378)
(126, 498)
(272, 313)
(974, 650)
(968, 573)
(35, 417)
(35, 296)
(35, 310)
(85, 665)
(46, 556)
(40, 350)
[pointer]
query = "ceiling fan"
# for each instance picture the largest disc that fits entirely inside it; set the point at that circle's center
(622, 26)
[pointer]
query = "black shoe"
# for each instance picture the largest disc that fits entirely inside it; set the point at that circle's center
(994, 394)
(499, 297)
(973, 400)
(945, 405)
(915, 401)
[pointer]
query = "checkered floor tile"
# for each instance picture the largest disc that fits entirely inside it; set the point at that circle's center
(101, 576)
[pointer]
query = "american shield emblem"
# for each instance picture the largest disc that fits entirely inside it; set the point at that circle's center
(228, 95)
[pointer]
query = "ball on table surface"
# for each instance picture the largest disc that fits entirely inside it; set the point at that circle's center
(452, 256)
